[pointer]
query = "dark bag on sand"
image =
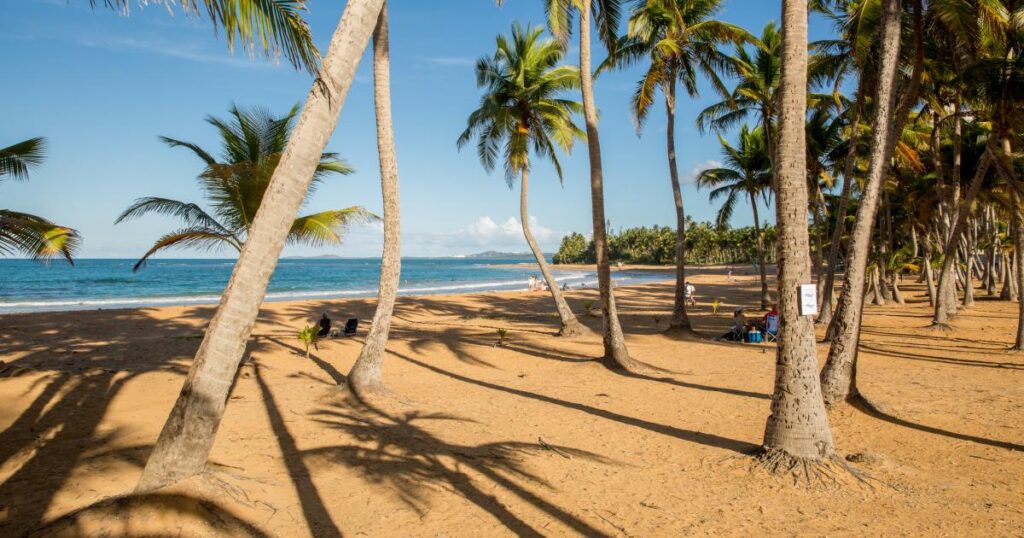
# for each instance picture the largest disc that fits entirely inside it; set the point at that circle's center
(351, 326)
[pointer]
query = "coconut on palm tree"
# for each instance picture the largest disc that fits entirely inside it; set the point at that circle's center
(679, 41)
(746, 173)
(252, 143)
(23, 233)
(524, 108)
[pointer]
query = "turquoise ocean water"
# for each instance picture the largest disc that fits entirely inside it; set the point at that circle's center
(27, 286)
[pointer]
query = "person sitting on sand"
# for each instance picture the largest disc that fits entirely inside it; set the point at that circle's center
(325, 325)
(770, 322)
(737, 328)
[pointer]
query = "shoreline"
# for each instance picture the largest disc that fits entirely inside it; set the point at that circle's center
(283, 297)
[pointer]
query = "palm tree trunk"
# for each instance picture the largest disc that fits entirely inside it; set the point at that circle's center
(1018, 245)
(616, 355)
(969, 274)
(680, 322)
(825, 317)
(570, 326)
(366, 376)
(941, 315)
(187, 436)
(929, 278)
(1006, 294)
(837, 378)
(766, 297)
(798, 428)
(1004, 165)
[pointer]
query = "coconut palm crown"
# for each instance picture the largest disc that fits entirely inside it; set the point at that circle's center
(521, 108)
(680, 41)
(744, 174)
(23, 233)
(253, 141)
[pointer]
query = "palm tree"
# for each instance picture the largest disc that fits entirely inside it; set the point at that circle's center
(758, 76)
(797, 432)
(253, 141)
(29, 235)
(365, 377)
(679, 41)
(187, 436)
(837, 378)
(606, 19)
(275, 26)
(523, 108)
(746, 174)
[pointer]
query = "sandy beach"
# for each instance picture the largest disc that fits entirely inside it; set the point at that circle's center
(529, 438)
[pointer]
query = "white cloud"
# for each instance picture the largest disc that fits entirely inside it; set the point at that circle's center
(691, 178)
(485, 230)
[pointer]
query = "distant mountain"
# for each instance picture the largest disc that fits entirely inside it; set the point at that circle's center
(497, 255)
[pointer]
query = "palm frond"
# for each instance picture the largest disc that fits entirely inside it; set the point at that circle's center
(327, 227)
(16, 159)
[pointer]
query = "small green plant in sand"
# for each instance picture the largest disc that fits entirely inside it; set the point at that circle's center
(715, 303)
(588, 307)
(502, 334)
(308, 336)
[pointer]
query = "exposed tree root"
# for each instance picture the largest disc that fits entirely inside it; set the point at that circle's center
(574, 330)
(829, 471)
(941, 327)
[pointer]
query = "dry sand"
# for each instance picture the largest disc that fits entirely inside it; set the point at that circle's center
(530, 438)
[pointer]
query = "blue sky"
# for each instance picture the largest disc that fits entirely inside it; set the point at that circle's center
(101, 87)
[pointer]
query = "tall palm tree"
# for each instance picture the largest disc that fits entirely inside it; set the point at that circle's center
(679, 40)
(797, 432)
(186, 438)
(746, 173)
(252, 141)
(523, 108)
(23, 233)
(606, 15)
(274, 26)
(366, 377)
(837, 378)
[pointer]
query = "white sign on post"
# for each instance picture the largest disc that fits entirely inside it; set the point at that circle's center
(808, 300)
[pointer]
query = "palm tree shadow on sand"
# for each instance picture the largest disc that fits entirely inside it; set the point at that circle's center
(395, 450)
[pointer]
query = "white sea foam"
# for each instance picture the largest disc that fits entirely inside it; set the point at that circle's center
(580, 278)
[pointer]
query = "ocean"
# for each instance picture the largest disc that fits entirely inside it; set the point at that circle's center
(27, 286)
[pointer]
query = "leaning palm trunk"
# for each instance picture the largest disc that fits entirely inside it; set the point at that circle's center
(837, 378)
(570, 325)
(616, 355)
(797, 431)
(941, 316)
(366, 376)
(680, 321)
(825, 316)
(187, 436)
(1004, 165)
